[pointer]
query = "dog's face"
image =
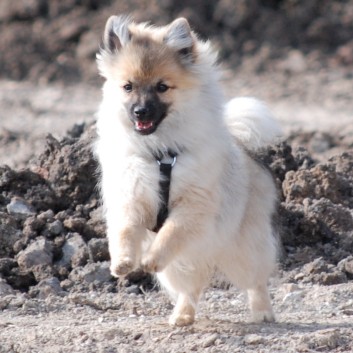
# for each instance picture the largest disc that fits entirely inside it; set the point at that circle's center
(149, 65)
(146, 104)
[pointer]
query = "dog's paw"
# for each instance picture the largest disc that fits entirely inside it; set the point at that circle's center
(152, 263)
(121, 267)
(181, 319)
(262, 316)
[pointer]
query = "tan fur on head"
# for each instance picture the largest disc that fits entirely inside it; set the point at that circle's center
(144, 50)
(147, 62)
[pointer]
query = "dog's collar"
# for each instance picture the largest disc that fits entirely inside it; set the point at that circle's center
(166, 161)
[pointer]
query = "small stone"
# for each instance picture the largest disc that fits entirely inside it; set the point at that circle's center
(75, 224)
(347, 312)
(97, 222)
(46, 216)
(20, 208)
(33, 224)
(17, 302)
(210, 340)
(137, 336)
(55, 228)
(50, 286)
(75, 251)
(317, 266)
(253, 339)
(98, 272)
(327, 339)
(40, 252)
(346, 265)
(335, 277)
(19, 245)
(299, 276)
(4, 301)
(42, 272)
(98, 249)
(66, 284)
(100, 319)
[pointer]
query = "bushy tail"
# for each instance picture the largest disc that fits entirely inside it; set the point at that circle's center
(251, 122)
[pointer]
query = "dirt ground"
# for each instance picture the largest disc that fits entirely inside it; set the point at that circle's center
(56, 292)
(310, 317)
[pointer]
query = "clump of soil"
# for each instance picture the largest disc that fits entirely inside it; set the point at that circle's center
(52, 233)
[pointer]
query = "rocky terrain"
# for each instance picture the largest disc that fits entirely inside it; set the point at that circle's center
(56, 292)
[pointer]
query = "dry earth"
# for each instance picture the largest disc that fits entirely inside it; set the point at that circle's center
(311, 316)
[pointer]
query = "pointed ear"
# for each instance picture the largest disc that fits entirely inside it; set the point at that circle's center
(116, 33)
(179, 37)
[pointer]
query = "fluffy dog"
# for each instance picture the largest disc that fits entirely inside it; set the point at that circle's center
(162, 93)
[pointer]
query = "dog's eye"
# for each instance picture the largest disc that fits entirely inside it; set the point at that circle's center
(162, 87)
(128, 87)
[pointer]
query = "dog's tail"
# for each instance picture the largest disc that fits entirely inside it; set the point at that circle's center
(251, 122)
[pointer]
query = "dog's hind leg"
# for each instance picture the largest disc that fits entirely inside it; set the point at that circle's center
(185, 287)
(184, 310)
(260, 304)
(248, 264)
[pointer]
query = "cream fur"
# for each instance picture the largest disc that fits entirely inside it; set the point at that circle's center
(221, 201)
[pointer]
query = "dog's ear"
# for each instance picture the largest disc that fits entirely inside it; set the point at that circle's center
(180, 38)
(116, 33)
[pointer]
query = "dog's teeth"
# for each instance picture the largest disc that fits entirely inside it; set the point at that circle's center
(143, 125)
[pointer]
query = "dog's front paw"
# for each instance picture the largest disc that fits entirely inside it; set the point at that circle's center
(122, 266)
(152, 263)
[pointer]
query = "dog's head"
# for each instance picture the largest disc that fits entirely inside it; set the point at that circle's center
(150, 66)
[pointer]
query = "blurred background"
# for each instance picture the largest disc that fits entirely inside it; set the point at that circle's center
(297, 55)
(45, 41)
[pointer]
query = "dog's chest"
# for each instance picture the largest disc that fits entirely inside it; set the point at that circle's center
(153, 185)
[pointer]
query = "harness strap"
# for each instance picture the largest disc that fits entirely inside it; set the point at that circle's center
(165, 169)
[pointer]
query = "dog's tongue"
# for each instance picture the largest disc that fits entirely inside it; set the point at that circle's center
(143, 125)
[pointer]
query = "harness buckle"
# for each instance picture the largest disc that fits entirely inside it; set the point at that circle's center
(165, 160)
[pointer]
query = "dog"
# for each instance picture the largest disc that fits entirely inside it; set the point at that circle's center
(163, 104)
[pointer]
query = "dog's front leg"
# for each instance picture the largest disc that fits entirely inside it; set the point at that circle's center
(125, 249)
(168, 243)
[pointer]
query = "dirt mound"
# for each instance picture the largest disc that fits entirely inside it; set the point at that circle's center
(52, 234)
(57, 40)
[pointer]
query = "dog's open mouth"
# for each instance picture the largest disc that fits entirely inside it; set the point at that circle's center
(143, 125)
(147, 127)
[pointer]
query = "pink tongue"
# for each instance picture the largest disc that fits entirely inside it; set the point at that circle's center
(143, 125)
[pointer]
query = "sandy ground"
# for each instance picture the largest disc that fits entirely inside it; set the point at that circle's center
(310, 318)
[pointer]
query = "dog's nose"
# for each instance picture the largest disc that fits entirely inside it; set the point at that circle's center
(140, 112)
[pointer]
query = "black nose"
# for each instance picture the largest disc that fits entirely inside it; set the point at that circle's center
(140, 112)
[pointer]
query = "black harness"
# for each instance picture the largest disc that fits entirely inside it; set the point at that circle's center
(166, 163)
